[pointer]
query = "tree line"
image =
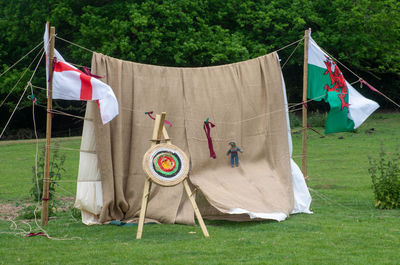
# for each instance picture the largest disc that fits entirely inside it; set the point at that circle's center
(362, 34)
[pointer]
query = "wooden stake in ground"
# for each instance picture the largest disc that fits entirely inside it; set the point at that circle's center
(46, 177)
(305, 74)
(171, 156)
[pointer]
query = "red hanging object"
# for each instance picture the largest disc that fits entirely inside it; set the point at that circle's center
(207, 129)
(370, 87)
(151, 117)
(87, 71)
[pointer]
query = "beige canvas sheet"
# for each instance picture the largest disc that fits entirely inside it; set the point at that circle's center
(245, 101)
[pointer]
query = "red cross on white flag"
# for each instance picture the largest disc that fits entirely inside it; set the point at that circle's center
(72, 84)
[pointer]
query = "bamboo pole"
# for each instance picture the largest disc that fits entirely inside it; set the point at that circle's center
(305, 74)
(46, 177)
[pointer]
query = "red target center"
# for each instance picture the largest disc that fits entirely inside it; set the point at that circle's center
(166, 163)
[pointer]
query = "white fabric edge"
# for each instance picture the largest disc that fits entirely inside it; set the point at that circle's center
(89, 193)
(360, 107)
(316, 54)
(89, 218)
(273, 216)
(89, 196)
(302, 197)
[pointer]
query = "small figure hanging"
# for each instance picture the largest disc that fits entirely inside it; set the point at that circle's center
(234, 154)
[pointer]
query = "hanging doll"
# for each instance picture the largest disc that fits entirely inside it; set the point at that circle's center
(234, 154)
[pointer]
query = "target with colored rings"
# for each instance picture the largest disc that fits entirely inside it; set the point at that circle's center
(166, 164)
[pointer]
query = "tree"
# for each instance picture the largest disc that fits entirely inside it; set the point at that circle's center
(363, 34)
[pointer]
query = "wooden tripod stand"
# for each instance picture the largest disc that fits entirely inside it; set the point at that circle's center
(152, 176)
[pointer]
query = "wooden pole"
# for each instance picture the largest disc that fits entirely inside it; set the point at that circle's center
(195, 208)
(143, 209)
(46, 177)
(305, 74)
(156, 139)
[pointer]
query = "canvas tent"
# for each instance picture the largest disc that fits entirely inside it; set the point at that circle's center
(246, 101)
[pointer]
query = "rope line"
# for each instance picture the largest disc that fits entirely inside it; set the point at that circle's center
(284, 47)
(23, 74)
(290, 56)
(59, 112)
(37, 146)
(377, 91)
(21, 59)
(133, 110)
(398, 105)
(261, 115)
(66, 191)
(292, 108)
(354, 210)
(270, 132)
(26, 87)
(87, 49)
(12, 114)
(77, 45)
(67, 114)
(64, 148)
(235, 122)
(329, 200)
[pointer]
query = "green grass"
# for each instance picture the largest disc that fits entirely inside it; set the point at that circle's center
(344, 229)
(17, 160)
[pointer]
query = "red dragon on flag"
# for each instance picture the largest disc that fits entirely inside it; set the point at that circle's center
(337, 80)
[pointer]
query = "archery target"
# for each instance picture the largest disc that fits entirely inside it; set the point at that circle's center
(166, 164)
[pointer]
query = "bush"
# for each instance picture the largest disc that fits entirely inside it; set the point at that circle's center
(385, 174)
(317, 119)
(294, 120)
(28, 212)
(56, 168)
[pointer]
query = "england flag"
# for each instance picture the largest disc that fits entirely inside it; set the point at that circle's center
(72, 84)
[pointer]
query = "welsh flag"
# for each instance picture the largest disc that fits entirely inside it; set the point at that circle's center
(72, 84)
(348, 108)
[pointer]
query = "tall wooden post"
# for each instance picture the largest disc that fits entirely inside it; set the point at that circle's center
(46, 177)
(305, 74)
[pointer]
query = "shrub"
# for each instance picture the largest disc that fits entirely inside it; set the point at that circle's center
(294, 120)
(385, 175)
(317, 119)
(56, 167)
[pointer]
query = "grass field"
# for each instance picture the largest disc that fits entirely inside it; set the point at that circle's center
(344, 229)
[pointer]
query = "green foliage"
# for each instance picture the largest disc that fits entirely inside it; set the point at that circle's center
(75, 213)
(294, 120)
(317, 119)
(385, 175)
(362, 34)
(56, 168)
(56, 208)
(33, 211)
(29, 212)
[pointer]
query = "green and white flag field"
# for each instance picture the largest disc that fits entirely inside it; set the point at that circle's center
(348, 108)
